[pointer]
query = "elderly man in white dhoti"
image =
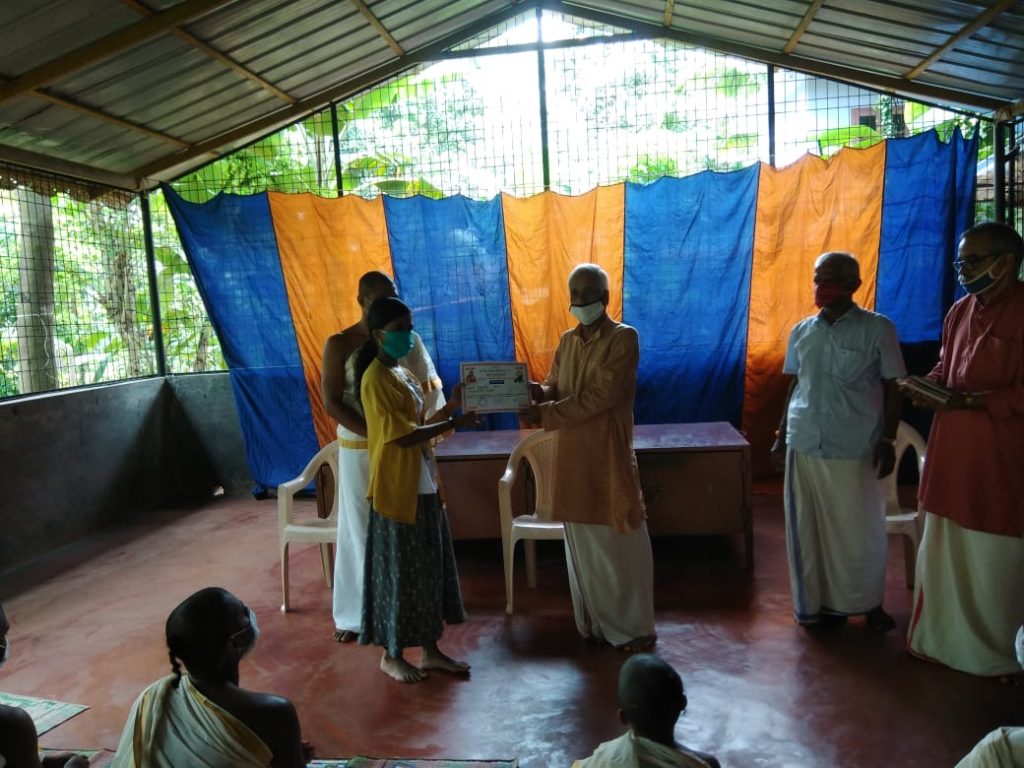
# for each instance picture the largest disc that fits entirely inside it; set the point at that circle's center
(836, 438)
(341, 399)
(204, 717)
(587, 399)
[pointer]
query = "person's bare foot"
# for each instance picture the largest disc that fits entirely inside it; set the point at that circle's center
(345, 635)
(433, 658)
(400, 669)
(878, 621)
(638, 644)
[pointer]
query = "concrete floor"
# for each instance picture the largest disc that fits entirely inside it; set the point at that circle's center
(88, 628)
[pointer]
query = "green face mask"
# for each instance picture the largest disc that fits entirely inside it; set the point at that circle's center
(397, 344)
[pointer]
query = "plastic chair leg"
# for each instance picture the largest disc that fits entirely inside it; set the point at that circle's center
(284, 577)
(327, 561)
(508, 551)
(531, 563)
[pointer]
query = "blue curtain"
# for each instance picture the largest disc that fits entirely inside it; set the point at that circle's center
(928, 201)
(688, 251)
(450, 267)
(232, 250)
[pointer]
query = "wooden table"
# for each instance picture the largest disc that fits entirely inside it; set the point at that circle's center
(695, 479)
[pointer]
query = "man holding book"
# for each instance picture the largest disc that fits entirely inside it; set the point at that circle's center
(969, 594)
(836, 440)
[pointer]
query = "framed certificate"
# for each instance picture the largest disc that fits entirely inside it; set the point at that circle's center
(494, 387)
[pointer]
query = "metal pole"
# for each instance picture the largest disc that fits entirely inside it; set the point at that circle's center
(999, 181)
(771, 115)
(542, 83)
(154, 295)
(337, 145)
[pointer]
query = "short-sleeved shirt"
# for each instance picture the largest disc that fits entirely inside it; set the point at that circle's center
(393, 403)
(837, 407)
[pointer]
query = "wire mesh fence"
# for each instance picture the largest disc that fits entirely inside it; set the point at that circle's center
(552, 102)
(74, 307)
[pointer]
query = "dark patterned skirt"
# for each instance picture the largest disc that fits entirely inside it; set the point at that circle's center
(411, 586)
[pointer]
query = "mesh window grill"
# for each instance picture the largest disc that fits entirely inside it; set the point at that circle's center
(74, 293)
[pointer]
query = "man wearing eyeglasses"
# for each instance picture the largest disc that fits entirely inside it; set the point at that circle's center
(969, 594)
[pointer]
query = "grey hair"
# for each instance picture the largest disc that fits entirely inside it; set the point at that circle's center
(850, 265)
(591, 269)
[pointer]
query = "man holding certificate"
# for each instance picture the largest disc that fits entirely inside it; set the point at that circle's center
(587, 398)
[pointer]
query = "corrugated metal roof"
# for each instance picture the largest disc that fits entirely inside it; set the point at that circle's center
(139, 90)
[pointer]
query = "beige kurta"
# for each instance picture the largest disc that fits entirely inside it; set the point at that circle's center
(597, 480)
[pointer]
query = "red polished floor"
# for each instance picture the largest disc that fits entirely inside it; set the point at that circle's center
(88, 627)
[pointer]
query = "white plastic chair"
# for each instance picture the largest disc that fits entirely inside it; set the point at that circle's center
(538, 450)
(316, 531)
(900, 521)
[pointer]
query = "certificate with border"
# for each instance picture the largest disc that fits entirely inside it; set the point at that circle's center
(494, 387)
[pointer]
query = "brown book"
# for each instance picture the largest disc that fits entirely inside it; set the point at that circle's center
(927, 389)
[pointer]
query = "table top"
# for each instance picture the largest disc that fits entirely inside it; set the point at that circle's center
(647, 438)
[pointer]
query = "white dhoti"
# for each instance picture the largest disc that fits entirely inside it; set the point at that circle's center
(353, 522)
(968, 598)
(171, 727)
(1001, 748)
(835, 535)
(611, 577)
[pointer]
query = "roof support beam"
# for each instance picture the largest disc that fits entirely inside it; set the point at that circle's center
(38, 162)
(108, 46)
(982, 20)
(156, 171)
(178, 162)
(377, 25)
(805, 22)
(670, 7)
(213, 53)
(875, 80)
(97, 114)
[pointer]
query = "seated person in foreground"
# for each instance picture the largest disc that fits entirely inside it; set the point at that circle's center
(19, 745)
(651, 698)
(203, 718)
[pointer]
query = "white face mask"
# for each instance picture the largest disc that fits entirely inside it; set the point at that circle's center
(1020, 646)
(589, 313)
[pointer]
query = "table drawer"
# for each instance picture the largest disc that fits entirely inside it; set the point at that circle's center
(694, 492)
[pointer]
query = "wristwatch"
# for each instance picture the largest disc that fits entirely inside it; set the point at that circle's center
(968, 400)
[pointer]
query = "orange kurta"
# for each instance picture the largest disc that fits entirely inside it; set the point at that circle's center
(596, 475)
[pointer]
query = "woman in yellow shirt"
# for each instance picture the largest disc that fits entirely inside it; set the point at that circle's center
(411, 587)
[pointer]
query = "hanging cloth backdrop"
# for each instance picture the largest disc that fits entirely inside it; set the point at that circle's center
(713, 270)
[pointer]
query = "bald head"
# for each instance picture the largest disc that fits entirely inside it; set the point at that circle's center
(839, 266)
(588, 283)
(375, 285)
(589, 274)
(651, 694)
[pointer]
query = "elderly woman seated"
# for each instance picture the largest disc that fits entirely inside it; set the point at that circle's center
(204, 717)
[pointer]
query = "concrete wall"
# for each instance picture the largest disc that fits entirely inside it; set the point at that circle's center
(72, 463)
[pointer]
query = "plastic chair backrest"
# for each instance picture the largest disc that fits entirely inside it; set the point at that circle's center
(538, 450)
(907, 438)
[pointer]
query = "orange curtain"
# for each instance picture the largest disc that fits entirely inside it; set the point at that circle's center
(326, 245)
(803, 210)
(546, 236)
